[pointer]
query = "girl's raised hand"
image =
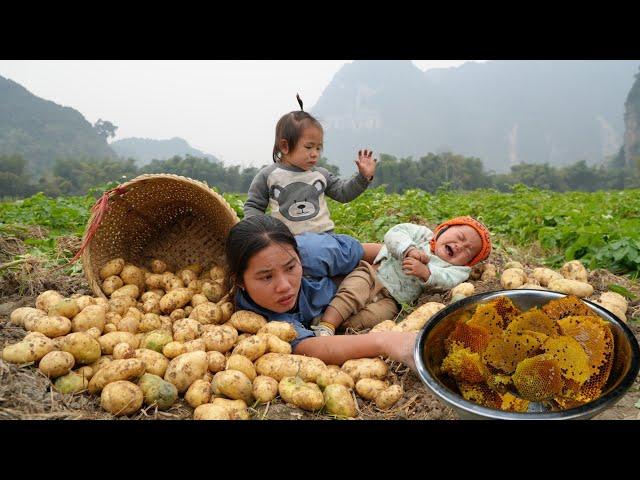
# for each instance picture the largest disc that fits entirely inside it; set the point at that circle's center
(366, 164)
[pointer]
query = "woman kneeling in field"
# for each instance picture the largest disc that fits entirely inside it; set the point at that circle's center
(264, 260)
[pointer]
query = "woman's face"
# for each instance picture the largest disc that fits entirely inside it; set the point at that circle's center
(272, 278)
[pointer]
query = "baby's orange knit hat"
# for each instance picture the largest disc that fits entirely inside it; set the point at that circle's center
(477, 226)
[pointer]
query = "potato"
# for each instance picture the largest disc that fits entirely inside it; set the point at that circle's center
(120, 305)
(67, 308)
(389, 397)
(154, 281)
(274, 344)
(218, 272)
(489, 272)
(111, 284)
(94, 332)
(152, 306)
(283, 330)
(99, 301)
(186, 329)
(186, 275)
(234, 384)
(613, 308)
(280, 365)
(132, 275)
(156, 340)
(158, 266)
(213, 291)
(172, 282)
(339, 401)
(93, 316)
(571, 287)
(198, 299)
(330, 376)
(615, 299)
(108, 341)
(51, 327)
(195, 345)
(219, 338)
(365, 368)
(127, 291)
(369, 388)
(227, 310)
(48, 299)
(123, 350)
(264, 389)
(466, 289)
(574, 270)
(196, 287)
(187, 310)
(199, 392)
(173, 349)
(121, 398)
(157, 391)
(545, 275)
(237, 409)
(418, 318)
(71, 383)
(112, 317)
(150, 295)
(241, 337)
(252, 347)
(531, 286)
(513, 264)
(56, 364)
(19, 315)
(85, 372)
(209, 411)
(385, 326)
(84, 301)
(304, 395)
(206, 313)
(513, 278)
(246, 321)
(175, 299)
(84, 348)
(116, 370)
(177, 314)
(100, 363)
(149, 322)
(242, 364)
(217, 361)
(185, 369)
(112, 267)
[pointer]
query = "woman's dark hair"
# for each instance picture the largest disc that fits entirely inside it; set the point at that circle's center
(251, 235)
(290, 127)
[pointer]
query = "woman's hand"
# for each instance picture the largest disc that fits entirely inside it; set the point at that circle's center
(366, 164)
(413, 266)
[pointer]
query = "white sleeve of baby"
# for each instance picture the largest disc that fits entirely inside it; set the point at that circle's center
(402, 236)
(448, 277)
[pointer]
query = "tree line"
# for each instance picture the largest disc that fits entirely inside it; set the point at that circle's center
(75, 176)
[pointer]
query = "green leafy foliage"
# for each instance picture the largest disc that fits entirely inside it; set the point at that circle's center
(602, 229)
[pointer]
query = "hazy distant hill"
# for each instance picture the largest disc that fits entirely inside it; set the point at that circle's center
(144, 150)
(42, 130)
(631, 148)
(503, 112)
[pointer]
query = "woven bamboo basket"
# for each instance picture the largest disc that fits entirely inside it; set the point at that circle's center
(172, 218)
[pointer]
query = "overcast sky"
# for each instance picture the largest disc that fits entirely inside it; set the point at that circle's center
(228, 108)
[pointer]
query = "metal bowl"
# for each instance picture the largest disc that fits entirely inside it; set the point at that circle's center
(429, 352)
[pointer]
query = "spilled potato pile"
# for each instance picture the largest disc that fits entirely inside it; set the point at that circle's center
(160, 335)
(504, 358)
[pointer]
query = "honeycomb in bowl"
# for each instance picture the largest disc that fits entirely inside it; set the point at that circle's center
(500, 357)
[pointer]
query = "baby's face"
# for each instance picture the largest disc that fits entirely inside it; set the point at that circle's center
(458, 244)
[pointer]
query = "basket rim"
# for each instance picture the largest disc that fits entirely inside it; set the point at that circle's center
(85, 258)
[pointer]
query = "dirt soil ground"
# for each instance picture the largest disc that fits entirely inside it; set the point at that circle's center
(25, 393)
